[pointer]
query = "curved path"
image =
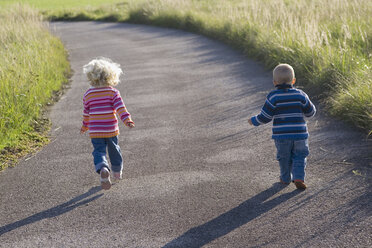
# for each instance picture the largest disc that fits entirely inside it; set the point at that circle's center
(195, 173)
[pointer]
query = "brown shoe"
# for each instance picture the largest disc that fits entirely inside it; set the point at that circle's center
(300, 184)
(282, 182)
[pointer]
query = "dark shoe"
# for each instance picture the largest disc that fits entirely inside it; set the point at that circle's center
(300, 184)
(282, 182)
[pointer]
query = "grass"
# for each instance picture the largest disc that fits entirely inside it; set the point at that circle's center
(328, 42)
(33, 67)
(59, 4)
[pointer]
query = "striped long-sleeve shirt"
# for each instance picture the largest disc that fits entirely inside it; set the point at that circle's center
(100, 108)
(287, 107)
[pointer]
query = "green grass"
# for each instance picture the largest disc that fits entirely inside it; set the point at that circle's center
(33, 67)
(58, 4)
(328, 42)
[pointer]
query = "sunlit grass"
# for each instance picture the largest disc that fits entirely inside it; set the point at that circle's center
(33, 66)
(328, 42)
(58, 4)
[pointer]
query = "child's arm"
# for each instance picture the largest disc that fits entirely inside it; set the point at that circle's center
(122, 111)
(84, 127)
(266, 115)
(308, 108)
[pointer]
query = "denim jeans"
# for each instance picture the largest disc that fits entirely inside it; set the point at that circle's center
(291, 155)
(100, 146)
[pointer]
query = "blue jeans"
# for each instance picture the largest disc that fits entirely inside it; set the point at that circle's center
(291, 155)
(100, 146)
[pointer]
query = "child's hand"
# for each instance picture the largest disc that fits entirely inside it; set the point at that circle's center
(83, 130)
(250, 121)
(131, 125)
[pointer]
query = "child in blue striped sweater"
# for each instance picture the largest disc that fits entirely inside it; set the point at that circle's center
(287, 107)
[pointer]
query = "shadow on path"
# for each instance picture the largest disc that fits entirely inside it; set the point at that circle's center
(55, 211)
(229, 221)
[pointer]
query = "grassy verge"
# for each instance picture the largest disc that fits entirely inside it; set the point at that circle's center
(327, 41)
(59, 4)
(33, 67)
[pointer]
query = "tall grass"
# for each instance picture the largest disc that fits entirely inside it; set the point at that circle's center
(327, 41)
(33, 66)
(59, 4)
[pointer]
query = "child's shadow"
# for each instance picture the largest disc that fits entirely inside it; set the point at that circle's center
(55, 211)
(236, 217)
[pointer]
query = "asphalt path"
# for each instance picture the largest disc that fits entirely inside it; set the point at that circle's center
(195, 173)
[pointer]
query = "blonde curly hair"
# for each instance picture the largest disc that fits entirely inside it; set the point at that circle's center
(102, 72)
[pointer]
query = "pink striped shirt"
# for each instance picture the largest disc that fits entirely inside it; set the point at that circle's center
(100, 108)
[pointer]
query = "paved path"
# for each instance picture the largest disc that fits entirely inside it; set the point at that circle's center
(195, 173)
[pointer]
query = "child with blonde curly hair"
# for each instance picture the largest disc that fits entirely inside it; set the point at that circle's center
(102, 102)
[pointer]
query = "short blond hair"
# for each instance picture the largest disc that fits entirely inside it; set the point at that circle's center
(283, 74)
(102, 72)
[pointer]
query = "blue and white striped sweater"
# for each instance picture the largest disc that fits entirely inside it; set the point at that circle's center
(287, 107)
